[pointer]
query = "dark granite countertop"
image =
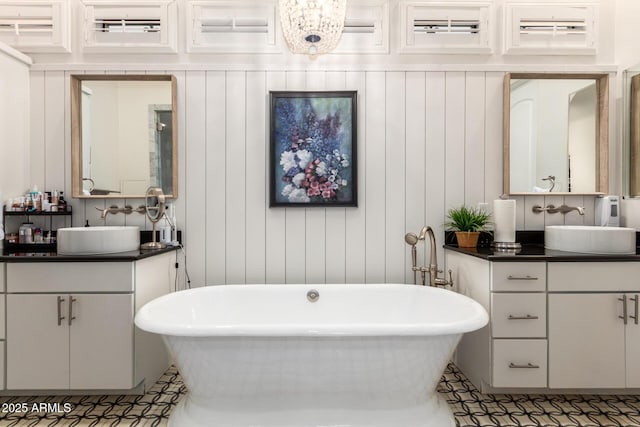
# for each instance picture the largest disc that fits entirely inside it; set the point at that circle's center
(54, 257)
(537, 252)
(532, 250)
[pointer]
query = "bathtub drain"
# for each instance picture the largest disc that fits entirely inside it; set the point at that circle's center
(313, 295)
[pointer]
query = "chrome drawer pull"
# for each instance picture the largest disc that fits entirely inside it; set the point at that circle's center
(635, 309)
(60, 316)
(510, 277)
(624, 308)
(71, 316)
(527, 317)
(527, 366)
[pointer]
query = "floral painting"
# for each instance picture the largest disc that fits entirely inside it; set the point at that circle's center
(313, 149)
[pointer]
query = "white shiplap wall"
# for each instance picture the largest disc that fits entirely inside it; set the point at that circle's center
(426, 141)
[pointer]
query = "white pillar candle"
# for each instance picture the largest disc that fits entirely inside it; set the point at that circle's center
(504, 219)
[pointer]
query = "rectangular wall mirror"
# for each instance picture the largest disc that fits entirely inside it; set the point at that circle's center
(123, 135)
(556, 132)
(634, 129)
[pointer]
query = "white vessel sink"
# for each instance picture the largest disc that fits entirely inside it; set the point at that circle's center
(98, 240)
(590, 239)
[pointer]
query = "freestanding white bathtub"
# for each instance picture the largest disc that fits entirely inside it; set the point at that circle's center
(266, 355)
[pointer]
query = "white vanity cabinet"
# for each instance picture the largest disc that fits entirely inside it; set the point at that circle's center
(512, 350)
(594, 335)
(70, 341)
(555, 324)
(70, 324)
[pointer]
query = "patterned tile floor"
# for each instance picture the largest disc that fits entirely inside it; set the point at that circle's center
(469, 407)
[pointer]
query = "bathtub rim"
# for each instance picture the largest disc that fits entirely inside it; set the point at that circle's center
(478, 319)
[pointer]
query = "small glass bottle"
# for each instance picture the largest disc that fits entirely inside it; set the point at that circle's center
(37, 235)
(25, 233)
(62, 203)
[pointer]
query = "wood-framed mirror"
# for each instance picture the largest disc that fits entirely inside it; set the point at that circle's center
(123, 135)
(556, 133)
(634, 141)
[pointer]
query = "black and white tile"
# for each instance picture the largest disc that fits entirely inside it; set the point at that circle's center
(470, 407)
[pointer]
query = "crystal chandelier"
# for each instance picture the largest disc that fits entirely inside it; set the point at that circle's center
(312, 27)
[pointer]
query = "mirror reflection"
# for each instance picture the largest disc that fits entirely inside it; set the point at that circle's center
(555, 133)
(123, 135)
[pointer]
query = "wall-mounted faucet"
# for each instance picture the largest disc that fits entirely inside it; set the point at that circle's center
(433, 271)
(114, 209)
(563, 209)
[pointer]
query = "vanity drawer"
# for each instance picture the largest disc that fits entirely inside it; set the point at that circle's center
(594, 276)
(519, 315)
(519, 363)
(519, 276)
(70, 277)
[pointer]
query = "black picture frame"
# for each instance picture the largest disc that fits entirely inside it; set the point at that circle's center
(313, 149)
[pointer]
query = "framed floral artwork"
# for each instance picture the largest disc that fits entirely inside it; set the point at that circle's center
(313, 149)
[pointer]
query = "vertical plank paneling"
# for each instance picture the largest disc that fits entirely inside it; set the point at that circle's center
(355, 218)
(196, 171)
(315, 221)
(395, 177)
(256, 173)
(493, 136)
(375, 199)
(54, 101)
(236, 178)
(455, 135)
(415, 174)
(427, 141)
(37, 111)
(275, 218)
(520, 216)
(180, 203)
(589, 204)
(474, 139)
(66, 146)
(435, 157)
(296, 217)
(532, 221)
(216, 177)
(335, 232)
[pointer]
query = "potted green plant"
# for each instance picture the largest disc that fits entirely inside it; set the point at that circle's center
(467, 223)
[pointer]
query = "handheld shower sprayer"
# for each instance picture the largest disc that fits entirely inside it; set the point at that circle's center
(412, 239)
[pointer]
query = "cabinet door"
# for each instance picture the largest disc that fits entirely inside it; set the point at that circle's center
(37, 347)
(632, 337)
(101, 336)
(586, 341)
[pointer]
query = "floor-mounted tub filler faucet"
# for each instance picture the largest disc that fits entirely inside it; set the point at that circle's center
(433, 271)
